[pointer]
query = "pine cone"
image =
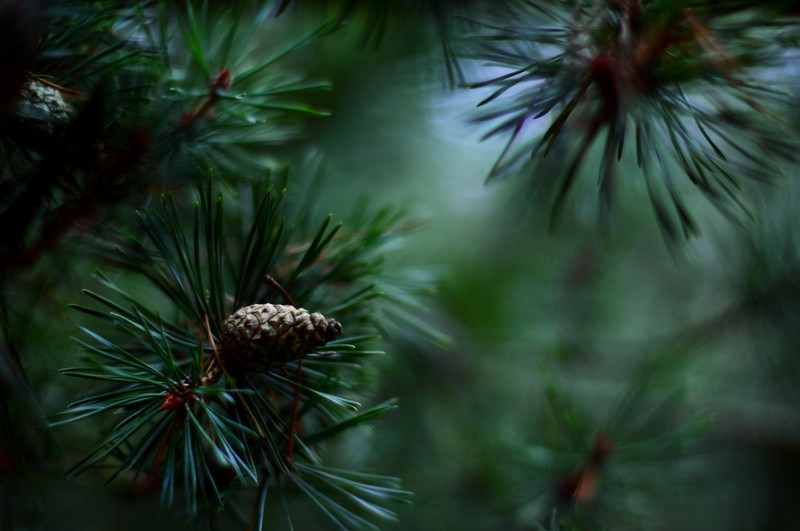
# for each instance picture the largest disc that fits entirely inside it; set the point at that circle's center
(262, 337)
(52, 111)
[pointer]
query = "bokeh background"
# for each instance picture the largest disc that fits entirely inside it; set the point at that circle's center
(665, 381)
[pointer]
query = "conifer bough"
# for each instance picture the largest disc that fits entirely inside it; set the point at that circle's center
(263, 337)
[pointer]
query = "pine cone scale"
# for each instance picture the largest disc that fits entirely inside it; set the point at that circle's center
(263, 337)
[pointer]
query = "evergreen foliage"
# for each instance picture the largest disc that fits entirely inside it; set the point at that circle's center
(180, 426)
(680, 84)
(152, 97)
(155, 179)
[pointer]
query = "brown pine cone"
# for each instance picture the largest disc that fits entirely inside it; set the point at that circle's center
(262, 337)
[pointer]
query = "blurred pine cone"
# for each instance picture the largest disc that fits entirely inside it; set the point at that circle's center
(263, 337)
(46, 109)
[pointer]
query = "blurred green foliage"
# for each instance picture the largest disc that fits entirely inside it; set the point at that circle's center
(591, 379)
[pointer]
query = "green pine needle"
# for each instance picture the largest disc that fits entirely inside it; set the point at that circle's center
(187, 425)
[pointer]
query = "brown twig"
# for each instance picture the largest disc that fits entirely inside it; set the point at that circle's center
(296, 403)
(217, 358)
(274, 283)
(295, 408)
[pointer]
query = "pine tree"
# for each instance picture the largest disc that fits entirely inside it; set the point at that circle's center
(214, 304)
(126, 103)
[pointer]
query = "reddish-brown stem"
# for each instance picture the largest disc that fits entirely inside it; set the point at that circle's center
(295, 408)
(296, 404)
(215, 375)
(252, 524)
(276, 285)
(256, 503)
(207, 326)
(204, 108)
(63, 90)
(222, 81)
(160, 453)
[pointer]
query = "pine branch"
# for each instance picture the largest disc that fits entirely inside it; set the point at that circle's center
(126, 100)
(584, 464)
(194, 416)
(675, 84)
